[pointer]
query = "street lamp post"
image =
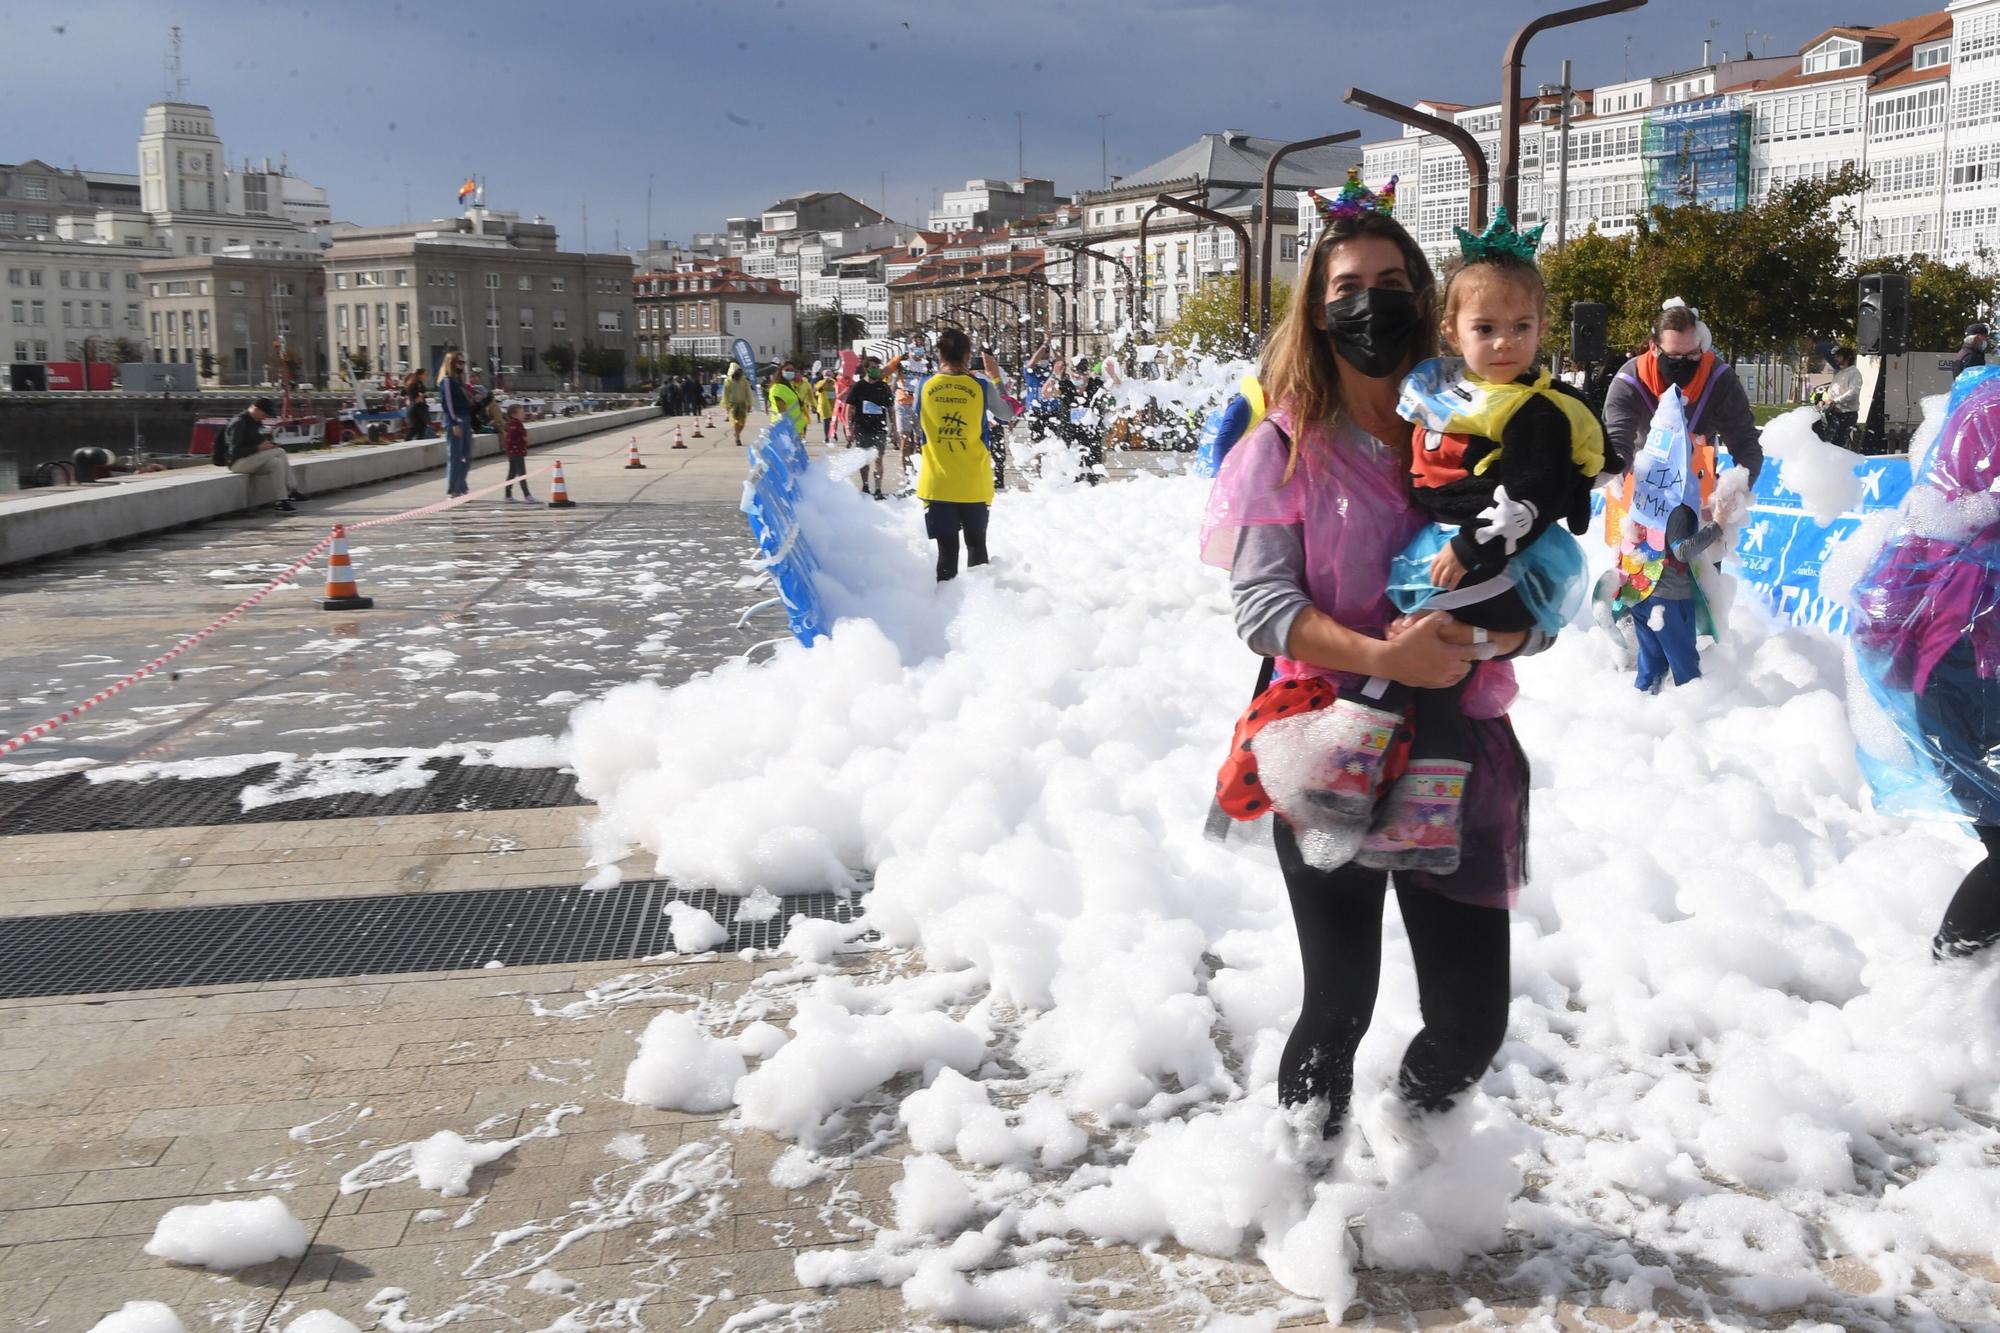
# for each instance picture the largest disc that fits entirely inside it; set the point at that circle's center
(1510, 89)
(1267, 228)
(1564, 91)
(1243, 261)
(1456, 135)
(1145, 265)
(1079, 248)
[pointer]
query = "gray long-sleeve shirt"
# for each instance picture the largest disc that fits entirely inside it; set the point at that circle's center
(1726, 419)
(1267, 580)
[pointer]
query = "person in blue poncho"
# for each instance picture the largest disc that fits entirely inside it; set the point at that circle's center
(1926, 640)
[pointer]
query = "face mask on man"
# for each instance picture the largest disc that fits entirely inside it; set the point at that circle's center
(1372, 330)
(1679, 370)
(791, 374)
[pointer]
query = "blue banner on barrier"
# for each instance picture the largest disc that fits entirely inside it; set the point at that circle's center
(740, 349)
(770, 504)
(1782, 548)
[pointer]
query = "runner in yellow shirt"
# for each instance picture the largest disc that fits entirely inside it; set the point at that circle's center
(825, 388)
(791, 399)
(955, 474)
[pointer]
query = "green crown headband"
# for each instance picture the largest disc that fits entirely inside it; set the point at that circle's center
(1500, 240)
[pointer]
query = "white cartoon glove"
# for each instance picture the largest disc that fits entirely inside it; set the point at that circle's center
(1508, 518)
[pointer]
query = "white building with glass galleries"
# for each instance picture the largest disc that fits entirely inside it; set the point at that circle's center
(1915, 104)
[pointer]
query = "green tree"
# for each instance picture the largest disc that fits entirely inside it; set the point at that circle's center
(1593, 267)
(124, 349)
(837, 328)
(1944, 297)
(207, 364)
(1766, 278)
(1209, 318)
(358, 363)
(560, 360)
(603, 362)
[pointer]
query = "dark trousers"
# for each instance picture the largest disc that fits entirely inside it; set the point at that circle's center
(1972, 921)
(1462, 985)
(1671, 646)
(944, 520)
(517, 466)
(458, 459)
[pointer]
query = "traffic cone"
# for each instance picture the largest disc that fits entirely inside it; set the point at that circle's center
(342, 593)
(559, 490)
(679, 443)
(632, 454)
(699, 422)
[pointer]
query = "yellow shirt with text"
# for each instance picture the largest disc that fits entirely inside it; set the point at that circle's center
(956, 466)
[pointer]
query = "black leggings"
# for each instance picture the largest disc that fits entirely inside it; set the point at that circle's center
(1462, 985)
(517, 466)
(1972, 922)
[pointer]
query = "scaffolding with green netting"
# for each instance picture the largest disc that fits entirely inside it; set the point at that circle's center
(1698, 153)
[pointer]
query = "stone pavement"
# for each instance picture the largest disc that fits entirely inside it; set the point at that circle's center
(115, 1108)
(119, 1107)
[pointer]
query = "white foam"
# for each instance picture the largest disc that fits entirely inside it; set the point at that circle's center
(228, 1234)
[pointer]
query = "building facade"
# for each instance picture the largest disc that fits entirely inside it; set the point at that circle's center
(233, 317)
(197, 205)
(1913, 103)
(1095, 295)
(702, 308)
(33, 195)
(487, 283)
(986, 204)
(62, 294)
(990, 288)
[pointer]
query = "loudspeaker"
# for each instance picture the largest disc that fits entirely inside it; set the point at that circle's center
(1882, 324)
(1587, 344)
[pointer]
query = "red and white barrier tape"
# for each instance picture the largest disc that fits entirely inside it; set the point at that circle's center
(42, 729)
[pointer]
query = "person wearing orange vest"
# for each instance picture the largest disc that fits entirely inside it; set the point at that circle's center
(1718, 408)
(1656, 576)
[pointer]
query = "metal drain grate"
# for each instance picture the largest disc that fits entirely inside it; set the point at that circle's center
(73, 804)
(88, 953)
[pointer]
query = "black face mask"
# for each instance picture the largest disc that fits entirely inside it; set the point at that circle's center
(1372, 330)
(1679, 370)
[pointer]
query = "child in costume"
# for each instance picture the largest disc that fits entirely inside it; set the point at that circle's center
(1498, 457)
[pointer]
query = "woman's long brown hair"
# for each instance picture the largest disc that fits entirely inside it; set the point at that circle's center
(1299, 371)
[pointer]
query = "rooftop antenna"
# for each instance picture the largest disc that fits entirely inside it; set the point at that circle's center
(1628, 55)
(176, 86)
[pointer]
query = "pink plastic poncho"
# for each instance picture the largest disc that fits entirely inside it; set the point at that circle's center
(1350, 497)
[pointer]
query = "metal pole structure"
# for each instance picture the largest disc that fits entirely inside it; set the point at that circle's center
(1456, 135)
(1079, 248)
(1510, 89)
(1145, 293)
(1267, 229)
(1243, 261)
(1562, 165)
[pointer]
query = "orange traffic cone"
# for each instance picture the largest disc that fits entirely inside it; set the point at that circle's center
(632, 454)
(700, 421)
(679, 443)
(559, 490)
(342, 593)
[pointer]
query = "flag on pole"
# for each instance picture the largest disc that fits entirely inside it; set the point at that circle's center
(470, 187)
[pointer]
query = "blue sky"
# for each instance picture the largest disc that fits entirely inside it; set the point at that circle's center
(731, 106)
